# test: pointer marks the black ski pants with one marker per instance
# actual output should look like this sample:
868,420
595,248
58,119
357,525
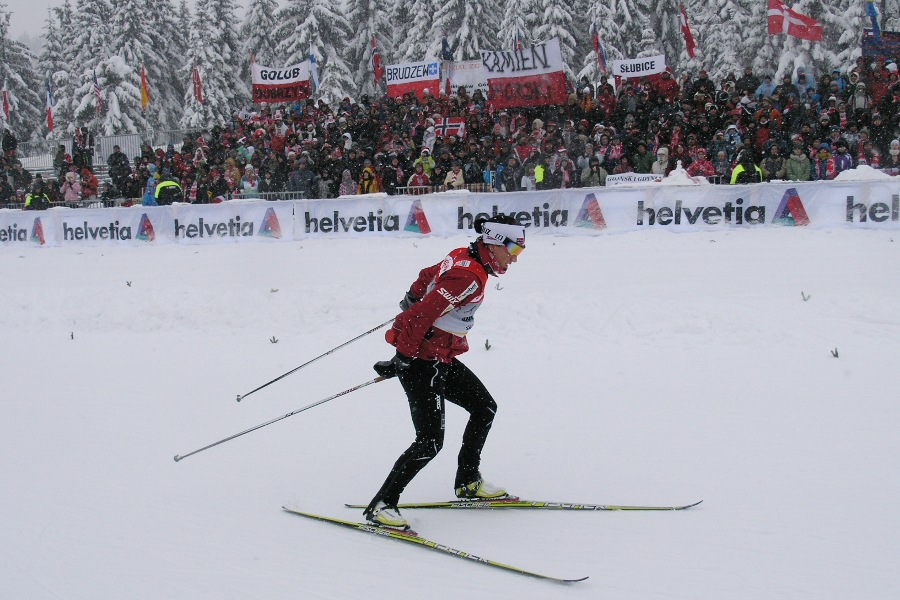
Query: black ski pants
428,384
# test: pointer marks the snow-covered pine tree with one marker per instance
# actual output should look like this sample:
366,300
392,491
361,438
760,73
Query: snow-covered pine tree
843,27
581,31
664,20
556,22
317,26
132,39
590,65
89,50
468,26
56,62
889,15
121,98
519,17
258,32
182,26
625,29
17,72
366,19
165,78
225,39
412,24
209,50
721,37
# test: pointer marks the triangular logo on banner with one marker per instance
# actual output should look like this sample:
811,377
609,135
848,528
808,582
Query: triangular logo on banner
145,231
37,232
590,214
270,226
416,220
791,210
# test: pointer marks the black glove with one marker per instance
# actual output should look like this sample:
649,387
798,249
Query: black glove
390,368
408,301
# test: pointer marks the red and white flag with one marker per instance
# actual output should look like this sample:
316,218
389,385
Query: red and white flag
784,20
49,106
5,101
686,31
198,84
377,69
532,76
413,77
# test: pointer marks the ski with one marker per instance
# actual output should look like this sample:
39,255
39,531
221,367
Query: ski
519,503
414,538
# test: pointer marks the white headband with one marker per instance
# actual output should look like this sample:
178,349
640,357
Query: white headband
497,233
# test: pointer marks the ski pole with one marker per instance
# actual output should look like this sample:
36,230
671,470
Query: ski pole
309,362
290,414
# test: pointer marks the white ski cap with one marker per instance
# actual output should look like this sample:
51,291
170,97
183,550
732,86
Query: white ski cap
497,233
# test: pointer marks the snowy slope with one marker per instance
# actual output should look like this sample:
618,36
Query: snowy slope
647,368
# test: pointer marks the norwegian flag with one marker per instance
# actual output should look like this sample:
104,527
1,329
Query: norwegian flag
686,31
98,93
784,20
598,48
49,106
377,69
450,126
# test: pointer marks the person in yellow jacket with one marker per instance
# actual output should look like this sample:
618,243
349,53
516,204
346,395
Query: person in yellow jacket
168,191
746,170
368,182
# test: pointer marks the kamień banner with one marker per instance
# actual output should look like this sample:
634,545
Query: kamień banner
593,211
530,76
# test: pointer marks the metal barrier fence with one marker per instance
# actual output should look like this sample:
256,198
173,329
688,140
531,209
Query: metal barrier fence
272,196
38,156
418,190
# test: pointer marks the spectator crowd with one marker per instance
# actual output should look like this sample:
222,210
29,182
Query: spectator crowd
742,129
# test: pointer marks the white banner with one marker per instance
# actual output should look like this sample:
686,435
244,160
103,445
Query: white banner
413,77
280,84
593,211
639,67
532,76
468,73
621,178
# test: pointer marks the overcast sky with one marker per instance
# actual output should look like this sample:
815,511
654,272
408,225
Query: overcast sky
29,16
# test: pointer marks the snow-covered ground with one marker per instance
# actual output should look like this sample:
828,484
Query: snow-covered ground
646,368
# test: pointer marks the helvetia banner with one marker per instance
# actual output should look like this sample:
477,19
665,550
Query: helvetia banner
581,211
532,76
284,84
413,77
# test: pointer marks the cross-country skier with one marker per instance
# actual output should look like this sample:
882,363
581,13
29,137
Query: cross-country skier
438,312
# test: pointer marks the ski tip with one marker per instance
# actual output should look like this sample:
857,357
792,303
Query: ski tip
575,580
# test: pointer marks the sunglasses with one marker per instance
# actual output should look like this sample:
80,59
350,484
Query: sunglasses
513,248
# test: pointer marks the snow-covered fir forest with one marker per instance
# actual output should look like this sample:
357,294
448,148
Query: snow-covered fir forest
115,38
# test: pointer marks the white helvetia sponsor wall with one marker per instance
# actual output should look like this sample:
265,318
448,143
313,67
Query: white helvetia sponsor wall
585,211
